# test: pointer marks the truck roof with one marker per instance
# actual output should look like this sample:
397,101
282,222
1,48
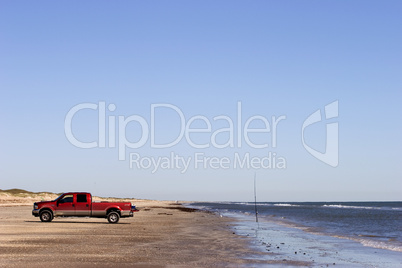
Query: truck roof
76,193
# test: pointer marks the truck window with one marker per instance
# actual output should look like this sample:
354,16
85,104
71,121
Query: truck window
67,199
81,198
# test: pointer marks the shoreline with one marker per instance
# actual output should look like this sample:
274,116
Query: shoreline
293,244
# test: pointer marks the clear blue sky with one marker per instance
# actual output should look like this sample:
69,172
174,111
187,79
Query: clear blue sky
278,58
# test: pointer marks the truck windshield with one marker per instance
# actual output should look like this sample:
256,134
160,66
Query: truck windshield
58,197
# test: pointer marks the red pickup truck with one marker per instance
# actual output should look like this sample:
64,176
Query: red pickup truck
81,205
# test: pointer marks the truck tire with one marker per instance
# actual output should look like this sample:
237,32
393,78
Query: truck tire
46,216
113,217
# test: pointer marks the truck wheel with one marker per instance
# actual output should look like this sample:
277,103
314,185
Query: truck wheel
113,217
46,216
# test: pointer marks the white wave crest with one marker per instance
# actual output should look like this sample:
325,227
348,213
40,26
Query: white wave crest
379,244
355,207
286,205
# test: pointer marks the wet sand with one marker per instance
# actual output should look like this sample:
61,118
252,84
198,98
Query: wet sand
162,234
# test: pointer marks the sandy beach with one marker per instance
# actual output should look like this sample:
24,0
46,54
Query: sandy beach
161,234
158,235
168,234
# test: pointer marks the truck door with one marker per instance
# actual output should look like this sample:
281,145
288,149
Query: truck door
65,206
83,205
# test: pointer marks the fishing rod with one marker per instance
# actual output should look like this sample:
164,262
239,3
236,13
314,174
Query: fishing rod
255,197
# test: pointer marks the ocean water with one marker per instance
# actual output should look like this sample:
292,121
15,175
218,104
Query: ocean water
361,234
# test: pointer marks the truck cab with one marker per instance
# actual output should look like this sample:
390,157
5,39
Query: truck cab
76,204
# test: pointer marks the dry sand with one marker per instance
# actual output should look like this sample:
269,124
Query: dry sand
162,234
